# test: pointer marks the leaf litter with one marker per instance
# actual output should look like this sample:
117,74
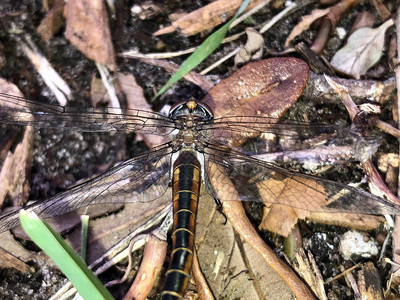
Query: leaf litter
157,14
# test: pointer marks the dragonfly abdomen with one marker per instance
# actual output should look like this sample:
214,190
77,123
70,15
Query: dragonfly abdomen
185,190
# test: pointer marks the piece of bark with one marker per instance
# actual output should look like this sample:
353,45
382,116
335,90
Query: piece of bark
369,282
7,260
15,170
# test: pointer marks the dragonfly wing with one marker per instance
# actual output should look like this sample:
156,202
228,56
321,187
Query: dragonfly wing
19,111
141,179
255,180
263,135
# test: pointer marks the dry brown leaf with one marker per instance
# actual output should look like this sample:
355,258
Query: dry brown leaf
8,260
11,245
88,30
228,263
281,218
236,215
308,202
264,88
382,10
363,50
364,19
206,17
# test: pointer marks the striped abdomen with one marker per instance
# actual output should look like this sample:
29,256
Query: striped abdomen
185,191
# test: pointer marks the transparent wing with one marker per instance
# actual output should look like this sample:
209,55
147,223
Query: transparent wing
262,135
256,180
20,111
243,127
141,179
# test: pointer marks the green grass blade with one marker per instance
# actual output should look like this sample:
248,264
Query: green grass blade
83,279
84,235
204,50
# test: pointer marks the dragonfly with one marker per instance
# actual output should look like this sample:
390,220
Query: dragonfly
200,149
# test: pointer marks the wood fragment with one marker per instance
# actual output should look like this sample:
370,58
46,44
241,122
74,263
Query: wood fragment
369,282
352,282
308,270
16,167
201,283
10,261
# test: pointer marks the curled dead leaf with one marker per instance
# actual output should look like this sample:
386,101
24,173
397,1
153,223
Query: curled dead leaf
305,23
253,48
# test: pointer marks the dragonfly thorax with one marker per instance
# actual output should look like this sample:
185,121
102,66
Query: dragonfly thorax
187,115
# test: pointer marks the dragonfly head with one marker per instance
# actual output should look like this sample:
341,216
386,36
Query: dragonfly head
199,111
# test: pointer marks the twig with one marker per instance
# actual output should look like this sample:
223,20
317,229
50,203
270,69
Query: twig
385,127
52,79
220,61
278,17
342,274
373,91
201,282
267,26
249,13
150,267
